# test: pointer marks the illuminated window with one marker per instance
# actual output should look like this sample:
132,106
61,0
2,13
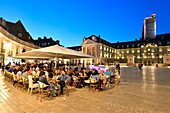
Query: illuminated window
151,53
160,49
100,47
153,50
145,50
160,56
138,51
122,57
138,57
153,56
132,51
100,54
127,45
168,49
127,51
104,48
107,49
149,49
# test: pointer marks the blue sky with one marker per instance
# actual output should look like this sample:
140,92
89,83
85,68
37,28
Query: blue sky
70,20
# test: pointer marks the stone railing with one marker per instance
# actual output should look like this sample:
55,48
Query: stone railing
12,37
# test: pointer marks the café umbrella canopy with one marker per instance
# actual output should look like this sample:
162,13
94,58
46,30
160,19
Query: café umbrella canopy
54,51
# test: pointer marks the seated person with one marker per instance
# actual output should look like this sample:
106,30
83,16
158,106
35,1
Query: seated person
89,73
63,80
107,73
102,79
10,69
83,76
43,79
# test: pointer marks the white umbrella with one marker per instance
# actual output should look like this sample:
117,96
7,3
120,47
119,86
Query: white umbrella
55,51
30,57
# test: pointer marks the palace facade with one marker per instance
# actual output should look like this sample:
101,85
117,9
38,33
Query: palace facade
14,39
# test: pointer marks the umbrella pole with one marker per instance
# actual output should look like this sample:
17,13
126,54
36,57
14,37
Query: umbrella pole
56,61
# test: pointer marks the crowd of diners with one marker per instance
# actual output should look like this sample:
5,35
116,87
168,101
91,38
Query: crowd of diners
62,76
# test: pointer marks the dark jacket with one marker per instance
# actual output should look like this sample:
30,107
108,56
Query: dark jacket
44,80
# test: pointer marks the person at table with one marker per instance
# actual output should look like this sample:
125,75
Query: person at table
11,68
95,72
63,79
107,73
43,79
83,76
89,73
102,79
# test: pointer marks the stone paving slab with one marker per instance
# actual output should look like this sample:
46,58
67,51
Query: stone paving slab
144,91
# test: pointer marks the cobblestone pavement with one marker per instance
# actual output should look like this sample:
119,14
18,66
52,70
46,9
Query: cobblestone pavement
145,91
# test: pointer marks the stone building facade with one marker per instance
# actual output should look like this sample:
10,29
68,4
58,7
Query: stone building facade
14,39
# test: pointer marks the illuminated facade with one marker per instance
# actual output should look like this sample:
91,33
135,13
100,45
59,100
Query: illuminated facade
14,39
148,52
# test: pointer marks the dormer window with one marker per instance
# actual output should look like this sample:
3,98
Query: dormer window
132,45
20,35
94,38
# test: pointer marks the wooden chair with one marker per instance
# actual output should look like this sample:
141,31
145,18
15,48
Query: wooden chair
15,80
25,83
93,84
75,80
19,82
43,92
31,86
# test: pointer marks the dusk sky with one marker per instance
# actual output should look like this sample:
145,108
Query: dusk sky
70,20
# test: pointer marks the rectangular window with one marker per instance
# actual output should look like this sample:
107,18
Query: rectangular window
133,51
160,56
101,47
160,49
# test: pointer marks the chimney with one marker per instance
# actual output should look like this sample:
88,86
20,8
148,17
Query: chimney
99,36
58,42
